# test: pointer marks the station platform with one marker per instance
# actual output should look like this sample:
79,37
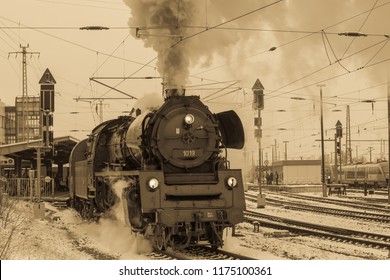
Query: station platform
58,196
287,188
294,188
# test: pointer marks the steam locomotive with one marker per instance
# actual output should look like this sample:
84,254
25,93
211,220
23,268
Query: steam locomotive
180,189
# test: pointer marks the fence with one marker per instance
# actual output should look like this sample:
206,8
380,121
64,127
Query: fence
27,188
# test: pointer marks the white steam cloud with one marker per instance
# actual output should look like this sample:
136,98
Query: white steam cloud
114,235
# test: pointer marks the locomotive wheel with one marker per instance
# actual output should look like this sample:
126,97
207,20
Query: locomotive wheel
160,238
85,211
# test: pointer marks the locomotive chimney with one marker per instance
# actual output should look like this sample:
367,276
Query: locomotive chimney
174,92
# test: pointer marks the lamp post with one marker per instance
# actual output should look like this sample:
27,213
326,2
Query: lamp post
322,147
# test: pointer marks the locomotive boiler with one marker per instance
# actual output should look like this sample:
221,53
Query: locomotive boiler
180,189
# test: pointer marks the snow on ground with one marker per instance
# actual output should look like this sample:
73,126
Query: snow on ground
63,235
330,220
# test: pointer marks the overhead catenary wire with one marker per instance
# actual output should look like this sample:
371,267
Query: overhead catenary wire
308,34
77,44
382,47
85,5
226,22
107,58
312,33
212,94
360,28
328,34
337,76
327,79
334,53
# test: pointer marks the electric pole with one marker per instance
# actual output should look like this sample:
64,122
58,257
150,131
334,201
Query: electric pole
388,137
348,144
370,151
285,149
322,146
24,52
338,136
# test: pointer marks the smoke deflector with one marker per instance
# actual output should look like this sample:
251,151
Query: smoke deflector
231,129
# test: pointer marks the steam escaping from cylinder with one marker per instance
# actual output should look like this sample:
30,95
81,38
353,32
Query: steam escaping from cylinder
112,233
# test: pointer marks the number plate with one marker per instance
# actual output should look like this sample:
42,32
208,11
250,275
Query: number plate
187,154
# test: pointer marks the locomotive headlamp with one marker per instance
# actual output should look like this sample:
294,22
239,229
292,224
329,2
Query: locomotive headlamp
189,119
231,182
153,184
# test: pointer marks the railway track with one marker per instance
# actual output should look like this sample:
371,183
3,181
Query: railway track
205,252
196,253
191,253
302,206
323,231
382,191
353,204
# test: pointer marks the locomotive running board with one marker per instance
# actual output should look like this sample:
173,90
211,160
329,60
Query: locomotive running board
116,173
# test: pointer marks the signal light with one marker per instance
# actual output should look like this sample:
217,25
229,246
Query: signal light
338,148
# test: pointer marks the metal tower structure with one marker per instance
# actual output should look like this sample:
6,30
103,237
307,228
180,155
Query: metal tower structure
25,114
348,147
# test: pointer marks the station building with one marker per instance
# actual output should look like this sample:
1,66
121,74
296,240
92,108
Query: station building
298,172
26,129
20,122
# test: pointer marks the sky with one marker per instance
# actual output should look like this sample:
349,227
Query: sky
215,49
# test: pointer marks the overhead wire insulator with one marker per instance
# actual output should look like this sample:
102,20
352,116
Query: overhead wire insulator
352,34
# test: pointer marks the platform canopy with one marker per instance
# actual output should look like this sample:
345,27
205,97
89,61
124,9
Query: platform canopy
27,150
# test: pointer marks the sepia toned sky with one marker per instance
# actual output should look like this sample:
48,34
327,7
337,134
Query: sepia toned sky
216,49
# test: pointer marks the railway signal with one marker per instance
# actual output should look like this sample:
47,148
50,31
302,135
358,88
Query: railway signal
258,104
47,83
339,130
337,139
338,147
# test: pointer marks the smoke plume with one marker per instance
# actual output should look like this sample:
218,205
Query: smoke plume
169,27
182,34
158,24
